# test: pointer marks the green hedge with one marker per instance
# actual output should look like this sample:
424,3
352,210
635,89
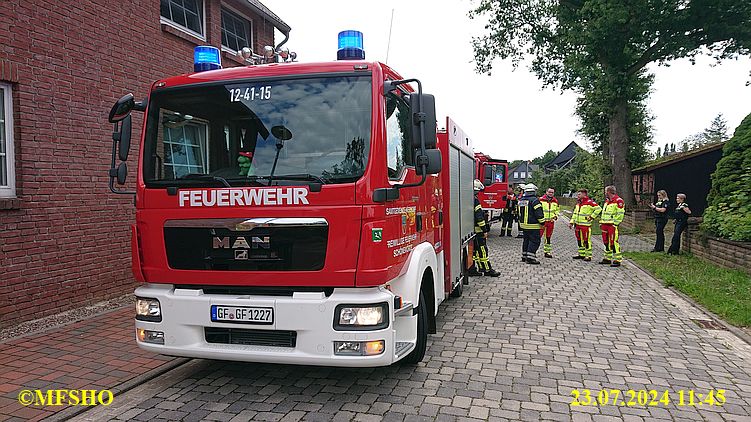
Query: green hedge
729,213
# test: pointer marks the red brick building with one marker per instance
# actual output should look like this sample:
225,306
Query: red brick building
64,239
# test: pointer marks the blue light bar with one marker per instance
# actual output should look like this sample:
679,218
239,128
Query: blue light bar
350,46
206,57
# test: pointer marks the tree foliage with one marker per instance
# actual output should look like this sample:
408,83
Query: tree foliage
587,171
599,49
545,158
729,211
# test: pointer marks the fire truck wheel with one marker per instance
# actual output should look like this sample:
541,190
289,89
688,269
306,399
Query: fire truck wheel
422,333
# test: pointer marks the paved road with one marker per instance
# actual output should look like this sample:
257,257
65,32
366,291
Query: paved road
512,348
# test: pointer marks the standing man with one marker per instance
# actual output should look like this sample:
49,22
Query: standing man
530,220
585,211
550,210
612,215
509,212
481,264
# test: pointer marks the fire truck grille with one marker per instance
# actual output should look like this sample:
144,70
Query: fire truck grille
274,338
259,249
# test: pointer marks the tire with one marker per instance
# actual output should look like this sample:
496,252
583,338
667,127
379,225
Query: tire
459,289
416,355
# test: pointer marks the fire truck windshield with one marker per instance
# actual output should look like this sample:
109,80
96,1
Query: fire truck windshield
237,132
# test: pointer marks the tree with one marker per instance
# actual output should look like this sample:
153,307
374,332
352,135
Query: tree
717,130
545,158
729,211
600,48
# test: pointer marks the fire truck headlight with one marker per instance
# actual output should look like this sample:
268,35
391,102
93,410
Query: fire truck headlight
148,309
361,317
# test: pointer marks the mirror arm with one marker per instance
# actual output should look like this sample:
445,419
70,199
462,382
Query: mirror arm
141,105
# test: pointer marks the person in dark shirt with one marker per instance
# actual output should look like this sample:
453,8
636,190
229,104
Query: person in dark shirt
682,211
661,219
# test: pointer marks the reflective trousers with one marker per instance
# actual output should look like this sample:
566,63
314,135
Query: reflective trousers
531,243
507,224
610,240
546,231
480,256
584,240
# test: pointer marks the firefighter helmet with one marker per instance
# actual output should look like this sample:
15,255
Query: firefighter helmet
478,185
530,187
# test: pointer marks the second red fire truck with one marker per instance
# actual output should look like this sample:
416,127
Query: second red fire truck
294,213
493,174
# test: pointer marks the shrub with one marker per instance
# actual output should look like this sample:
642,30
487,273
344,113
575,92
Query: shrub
729,211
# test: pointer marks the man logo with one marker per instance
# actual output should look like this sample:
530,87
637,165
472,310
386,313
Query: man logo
256,242
241,254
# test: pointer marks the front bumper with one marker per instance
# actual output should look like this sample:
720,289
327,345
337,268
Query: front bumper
186,315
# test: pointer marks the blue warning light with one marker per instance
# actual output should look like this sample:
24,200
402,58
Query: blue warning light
206,57
350,46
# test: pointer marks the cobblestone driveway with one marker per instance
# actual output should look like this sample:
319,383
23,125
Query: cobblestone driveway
512,348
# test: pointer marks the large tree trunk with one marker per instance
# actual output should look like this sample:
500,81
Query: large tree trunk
618,151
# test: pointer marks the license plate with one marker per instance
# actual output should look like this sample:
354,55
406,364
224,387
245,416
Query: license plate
242,314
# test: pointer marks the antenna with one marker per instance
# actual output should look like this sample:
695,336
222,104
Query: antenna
388,46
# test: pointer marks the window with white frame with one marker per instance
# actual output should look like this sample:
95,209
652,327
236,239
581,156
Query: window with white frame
7,168
523,175
516,175
235,31
185,149
186,14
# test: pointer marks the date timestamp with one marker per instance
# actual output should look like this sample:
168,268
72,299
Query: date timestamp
647,398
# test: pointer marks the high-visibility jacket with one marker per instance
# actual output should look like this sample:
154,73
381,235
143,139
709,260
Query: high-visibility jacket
549,207
585,211
481,226
613,211
530,212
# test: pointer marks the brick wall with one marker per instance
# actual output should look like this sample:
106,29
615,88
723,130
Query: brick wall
65,240
723,252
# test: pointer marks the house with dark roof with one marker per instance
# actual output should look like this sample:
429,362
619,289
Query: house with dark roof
522,173
687,172
564,159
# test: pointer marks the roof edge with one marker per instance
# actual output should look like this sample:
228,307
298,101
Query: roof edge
680,157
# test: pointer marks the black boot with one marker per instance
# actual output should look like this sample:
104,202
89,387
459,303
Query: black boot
605,261
533,261
492,273
473,272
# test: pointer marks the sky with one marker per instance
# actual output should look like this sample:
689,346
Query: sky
507,114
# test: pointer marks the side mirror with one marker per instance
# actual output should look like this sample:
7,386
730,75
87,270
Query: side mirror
124,139
122,108
433,161
425,114
122,173
488,177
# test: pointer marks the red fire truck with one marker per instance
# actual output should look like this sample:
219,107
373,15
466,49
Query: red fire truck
493,174
294,213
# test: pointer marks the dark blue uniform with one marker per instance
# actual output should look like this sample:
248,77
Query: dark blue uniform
531,218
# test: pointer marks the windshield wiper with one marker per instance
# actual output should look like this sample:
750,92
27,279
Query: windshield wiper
302,176
207,177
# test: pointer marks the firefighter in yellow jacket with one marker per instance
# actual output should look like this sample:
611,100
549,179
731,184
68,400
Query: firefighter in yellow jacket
612,215
481,265
585,211
550,210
